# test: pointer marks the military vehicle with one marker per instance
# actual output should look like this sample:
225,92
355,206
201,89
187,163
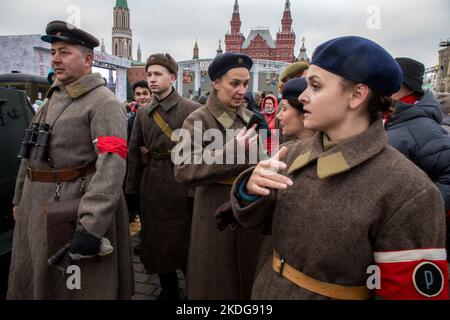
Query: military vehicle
35,87
16,113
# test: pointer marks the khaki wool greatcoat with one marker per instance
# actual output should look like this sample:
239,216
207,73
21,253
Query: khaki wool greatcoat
92,112
165,210
221,265
349,200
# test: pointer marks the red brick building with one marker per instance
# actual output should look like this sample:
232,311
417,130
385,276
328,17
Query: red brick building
137,72
259,44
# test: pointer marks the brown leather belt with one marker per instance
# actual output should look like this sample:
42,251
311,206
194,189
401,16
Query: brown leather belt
60,175
144,154
161,155
227,181
323,288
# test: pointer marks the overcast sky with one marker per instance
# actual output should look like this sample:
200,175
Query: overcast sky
404,28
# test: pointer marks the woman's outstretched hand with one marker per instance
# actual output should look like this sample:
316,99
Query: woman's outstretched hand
266,176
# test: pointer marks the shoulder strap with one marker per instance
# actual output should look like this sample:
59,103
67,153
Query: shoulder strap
164,126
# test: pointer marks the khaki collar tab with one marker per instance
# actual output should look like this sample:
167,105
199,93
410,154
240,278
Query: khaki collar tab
301,161
331,165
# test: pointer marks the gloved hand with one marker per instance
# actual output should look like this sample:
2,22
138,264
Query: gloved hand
84,245
61,260
224,217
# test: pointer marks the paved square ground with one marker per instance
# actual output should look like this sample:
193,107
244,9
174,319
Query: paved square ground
147,285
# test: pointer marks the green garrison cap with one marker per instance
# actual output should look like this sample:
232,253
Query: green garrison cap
64,31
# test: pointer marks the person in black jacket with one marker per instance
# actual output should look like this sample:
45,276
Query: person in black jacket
142,97
249,103
414,128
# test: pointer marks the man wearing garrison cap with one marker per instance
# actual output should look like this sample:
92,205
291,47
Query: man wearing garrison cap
165,205
79,166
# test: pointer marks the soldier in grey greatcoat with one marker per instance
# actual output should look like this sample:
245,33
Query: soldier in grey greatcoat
165,205
86,161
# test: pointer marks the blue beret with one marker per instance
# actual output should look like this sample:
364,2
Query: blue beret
362,61
294,88
227,61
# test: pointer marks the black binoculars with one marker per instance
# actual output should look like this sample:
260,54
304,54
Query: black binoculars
37,135
29,140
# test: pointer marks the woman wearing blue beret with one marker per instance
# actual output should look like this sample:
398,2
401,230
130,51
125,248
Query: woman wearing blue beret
351,217
222,262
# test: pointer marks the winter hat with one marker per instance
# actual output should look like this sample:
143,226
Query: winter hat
413,73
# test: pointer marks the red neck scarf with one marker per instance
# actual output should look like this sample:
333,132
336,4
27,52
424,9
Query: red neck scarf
411,99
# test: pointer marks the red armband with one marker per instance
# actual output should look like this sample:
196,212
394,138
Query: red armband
413,274
112,145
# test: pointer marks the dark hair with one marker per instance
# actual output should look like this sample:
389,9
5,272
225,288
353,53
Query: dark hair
376,103
84,50
296,104
141,84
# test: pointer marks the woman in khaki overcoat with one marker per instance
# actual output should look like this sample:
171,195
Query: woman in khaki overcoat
221,264
350,216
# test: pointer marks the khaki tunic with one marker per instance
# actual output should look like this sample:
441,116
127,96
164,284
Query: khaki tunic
92,112
165,210
347,201
221,264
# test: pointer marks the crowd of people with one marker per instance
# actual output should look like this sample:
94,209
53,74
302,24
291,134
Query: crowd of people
352,171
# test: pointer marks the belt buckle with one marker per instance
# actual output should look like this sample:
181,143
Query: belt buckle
283,262
29,173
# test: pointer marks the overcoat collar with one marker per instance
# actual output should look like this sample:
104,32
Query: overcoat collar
342,156
168,103
79,87
223,114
